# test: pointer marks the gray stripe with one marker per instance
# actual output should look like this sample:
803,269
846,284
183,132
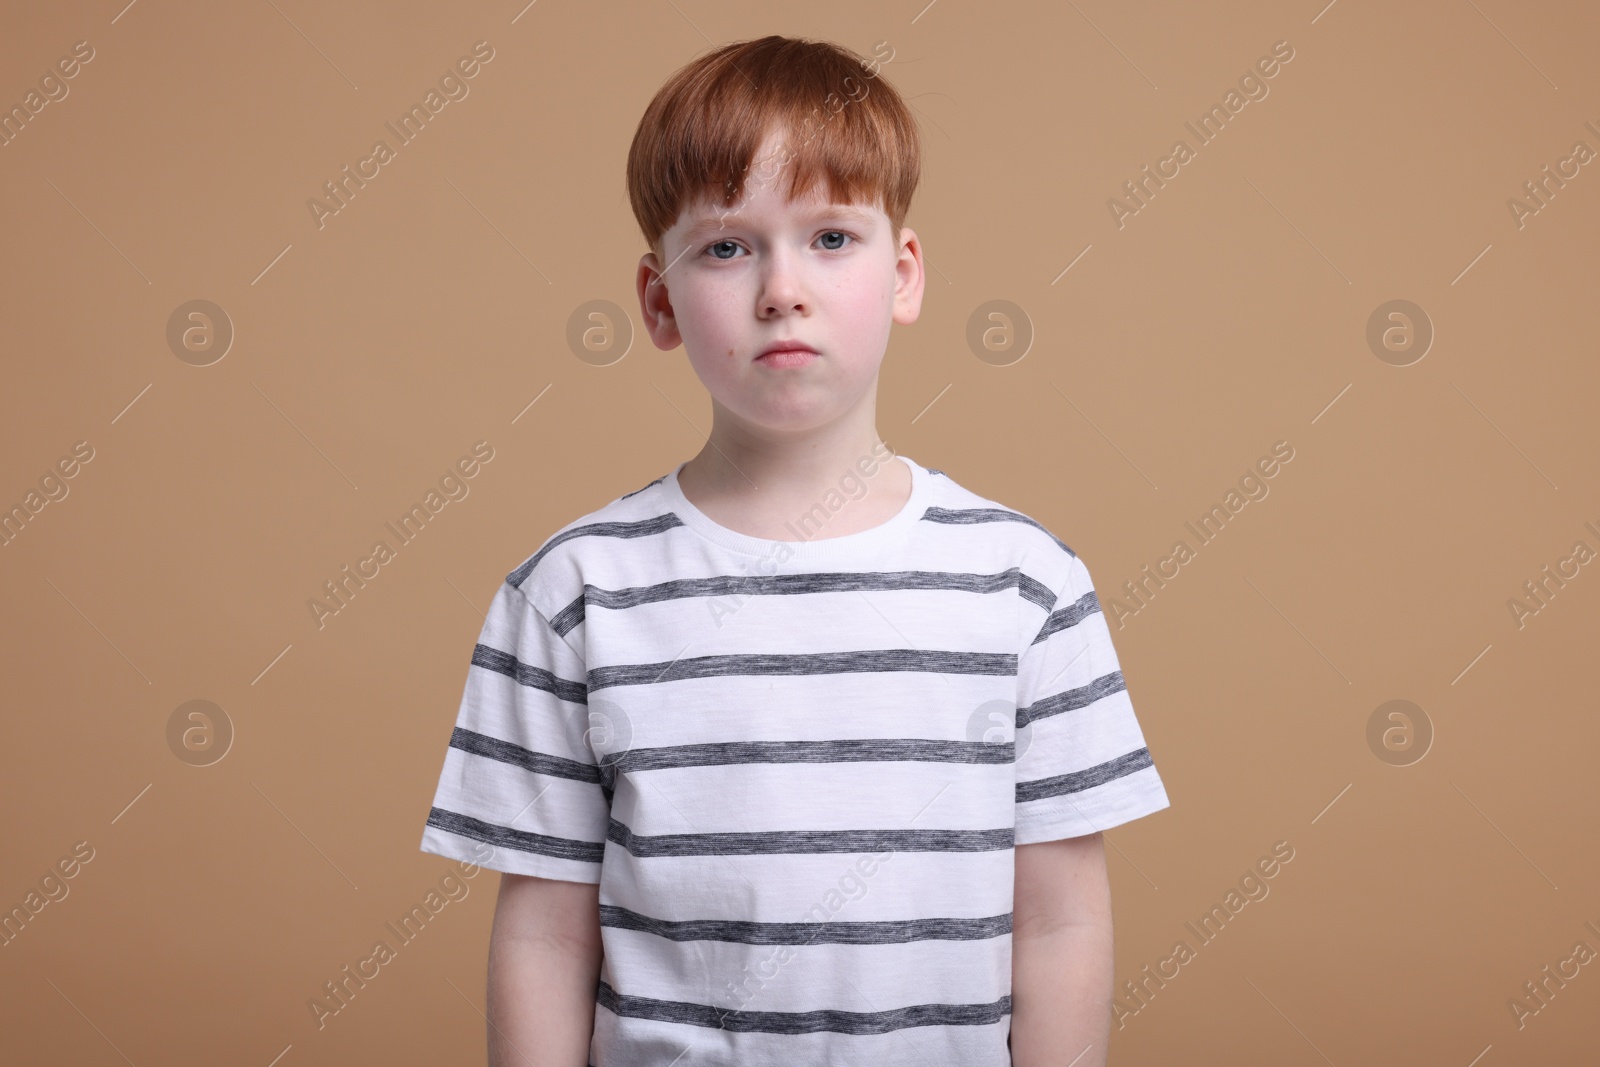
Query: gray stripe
974,515
640,528
806,842
849,750
669,520
711,754
794,664
1071,699
565,848
1078,781
642,488
517,756
569,617
526,674
889,932
801,1022
1069,616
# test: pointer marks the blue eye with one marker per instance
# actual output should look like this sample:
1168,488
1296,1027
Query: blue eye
732,247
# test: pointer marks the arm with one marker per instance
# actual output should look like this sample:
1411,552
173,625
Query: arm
544,965
1061,962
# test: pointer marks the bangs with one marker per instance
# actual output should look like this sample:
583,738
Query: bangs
842,128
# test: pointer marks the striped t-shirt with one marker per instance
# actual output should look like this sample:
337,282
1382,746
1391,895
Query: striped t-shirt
797,769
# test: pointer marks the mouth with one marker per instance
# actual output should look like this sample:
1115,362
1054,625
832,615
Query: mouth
787,354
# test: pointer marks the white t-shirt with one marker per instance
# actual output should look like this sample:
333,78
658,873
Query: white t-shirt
797,769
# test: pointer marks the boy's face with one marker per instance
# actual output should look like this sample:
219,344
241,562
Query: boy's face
764,270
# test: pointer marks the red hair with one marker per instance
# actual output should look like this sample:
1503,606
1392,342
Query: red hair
841,122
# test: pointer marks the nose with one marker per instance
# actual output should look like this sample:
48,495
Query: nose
782,289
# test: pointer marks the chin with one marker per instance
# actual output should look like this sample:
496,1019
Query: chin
786,418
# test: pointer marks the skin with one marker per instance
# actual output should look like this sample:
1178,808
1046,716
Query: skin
725,285
1062,954
735,280
545,954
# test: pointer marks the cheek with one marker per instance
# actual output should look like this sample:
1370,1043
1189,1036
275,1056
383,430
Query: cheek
862,300
869,292
867,309
705,315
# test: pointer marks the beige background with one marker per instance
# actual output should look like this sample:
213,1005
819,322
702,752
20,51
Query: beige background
431,312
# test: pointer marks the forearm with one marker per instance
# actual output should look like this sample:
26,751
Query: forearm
1061,994
541,1002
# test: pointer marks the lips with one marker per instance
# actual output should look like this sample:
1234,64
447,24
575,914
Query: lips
787,347
780,358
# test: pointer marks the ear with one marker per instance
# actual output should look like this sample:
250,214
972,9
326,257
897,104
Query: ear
909,278
655,304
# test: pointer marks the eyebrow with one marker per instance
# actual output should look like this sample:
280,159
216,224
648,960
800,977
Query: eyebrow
714,223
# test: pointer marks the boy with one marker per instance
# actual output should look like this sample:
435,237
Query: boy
799,754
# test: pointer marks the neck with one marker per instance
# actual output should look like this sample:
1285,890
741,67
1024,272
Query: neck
760,482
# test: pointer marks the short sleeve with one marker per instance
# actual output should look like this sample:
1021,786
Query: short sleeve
1082,764
521,791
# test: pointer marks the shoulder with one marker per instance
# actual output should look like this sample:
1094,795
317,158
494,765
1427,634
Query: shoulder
1045,561
552,576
